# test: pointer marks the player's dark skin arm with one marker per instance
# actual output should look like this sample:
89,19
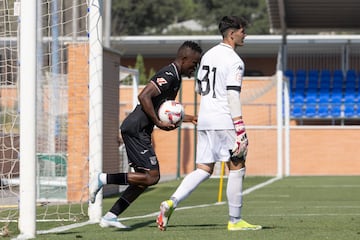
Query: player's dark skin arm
148,178
145,100
190,118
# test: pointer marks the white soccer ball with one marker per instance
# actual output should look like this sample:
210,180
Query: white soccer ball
171,111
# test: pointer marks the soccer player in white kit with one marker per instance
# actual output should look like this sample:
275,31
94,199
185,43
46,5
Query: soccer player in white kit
221,129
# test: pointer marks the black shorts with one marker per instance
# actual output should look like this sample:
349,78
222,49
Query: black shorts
140,152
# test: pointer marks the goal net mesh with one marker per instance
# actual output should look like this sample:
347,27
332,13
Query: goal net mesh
63,23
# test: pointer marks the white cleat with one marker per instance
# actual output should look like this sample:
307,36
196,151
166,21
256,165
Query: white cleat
113,222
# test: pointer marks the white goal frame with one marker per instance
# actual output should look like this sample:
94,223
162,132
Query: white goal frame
30,54
28,75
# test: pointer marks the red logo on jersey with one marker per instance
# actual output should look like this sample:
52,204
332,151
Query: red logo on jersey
161,81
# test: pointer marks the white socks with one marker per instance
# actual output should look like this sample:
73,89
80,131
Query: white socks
234,193
188,184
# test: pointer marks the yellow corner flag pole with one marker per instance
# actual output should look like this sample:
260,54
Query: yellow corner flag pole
221,181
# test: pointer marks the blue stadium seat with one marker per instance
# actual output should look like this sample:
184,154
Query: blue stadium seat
351,75
324,95
300,73
314,73
350,85
357,111
351,81
313,79
297,111
338,78
325,72
298,96
336,96
325,85
338,73
290,74
310,110
335,110
311,96
323,110
300,81
350,96
349,110
325,79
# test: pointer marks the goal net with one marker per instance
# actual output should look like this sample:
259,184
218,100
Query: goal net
59,180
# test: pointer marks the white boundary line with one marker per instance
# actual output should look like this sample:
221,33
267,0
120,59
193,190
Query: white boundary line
307,215
261,185
76,225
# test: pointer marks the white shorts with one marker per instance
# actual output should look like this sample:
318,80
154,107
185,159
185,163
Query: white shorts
214,145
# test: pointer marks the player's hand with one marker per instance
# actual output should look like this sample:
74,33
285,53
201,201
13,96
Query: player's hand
190,118
241,144
165,126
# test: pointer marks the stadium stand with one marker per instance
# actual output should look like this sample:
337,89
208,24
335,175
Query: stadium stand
324,94
323,110
349,110
310,110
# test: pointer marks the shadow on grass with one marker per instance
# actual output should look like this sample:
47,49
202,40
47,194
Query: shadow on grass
211,226
138,225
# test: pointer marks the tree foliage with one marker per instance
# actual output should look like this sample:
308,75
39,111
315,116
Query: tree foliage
254,11
143,77
139,17
144,17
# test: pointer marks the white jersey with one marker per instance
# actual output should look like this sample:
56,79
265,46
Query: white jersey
220,68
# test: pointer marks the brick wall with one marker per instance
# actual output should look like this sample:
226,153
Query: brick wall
78,113
78,133
314,150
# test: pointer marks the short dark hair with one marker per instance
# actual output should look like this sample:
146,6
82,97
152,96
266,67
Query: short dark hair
192,45
232,22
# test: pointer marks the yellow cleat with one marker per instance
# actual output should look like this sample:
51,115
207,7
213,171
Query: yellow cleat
242,225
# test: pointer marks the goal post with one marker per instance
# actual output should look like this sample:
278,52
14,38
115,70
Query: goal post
43,55
28,75
95,101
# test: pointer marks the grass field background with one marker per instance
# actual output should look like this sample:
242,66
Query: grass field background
290,208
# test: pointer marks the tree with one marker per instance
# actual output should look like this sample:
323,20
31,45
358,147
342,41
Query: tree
254,11
144,17
139,17
140,66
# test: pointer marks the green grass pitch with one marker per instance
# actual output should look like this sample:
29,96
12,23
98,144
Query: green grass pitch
292,208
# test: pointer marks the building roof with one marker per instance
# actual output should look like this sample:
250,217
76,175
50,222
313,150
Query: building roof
317,17
255,45
314,15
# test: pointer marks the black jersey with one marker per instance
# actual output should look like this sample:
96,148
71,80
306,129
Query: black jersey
168,82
